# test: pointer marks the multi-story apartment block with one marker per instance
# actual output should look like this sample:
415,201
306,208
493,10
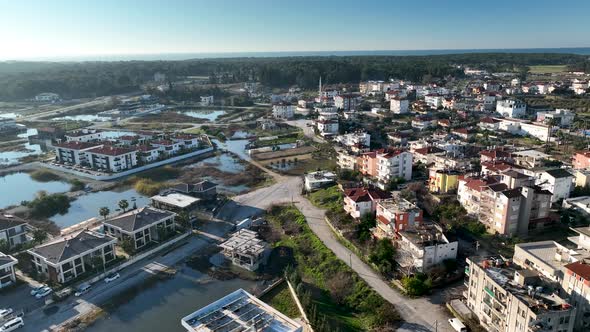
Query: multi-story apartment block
74,152
112,159
424,247
442,181
13,230
558,181
66,258
395,215
361,201
346,160
511,108
283,111
506,298
576,284
347,102
581,160
7,274
393,164
399,105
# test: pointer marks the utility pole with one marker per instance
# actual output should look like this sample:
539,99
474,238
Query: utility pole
350,259
476,246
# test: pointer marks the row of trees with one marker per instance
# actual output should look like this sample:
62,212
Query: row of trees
21,80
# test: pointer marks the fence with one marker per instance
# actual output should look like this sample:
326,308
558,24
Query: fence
114,176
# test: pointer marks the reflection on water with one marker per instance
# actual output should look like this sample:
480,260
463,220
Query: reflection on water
235,146
161,307
8,115
87,206
12,157
223,162
210,115
84,117
18,187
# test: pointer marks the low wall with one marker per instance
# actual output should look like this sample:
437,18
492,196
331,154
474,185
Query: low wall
128,172
138,257
299,305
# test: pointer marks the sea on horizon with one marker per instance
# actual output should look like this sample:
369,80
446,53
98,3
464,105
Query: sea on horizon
187,56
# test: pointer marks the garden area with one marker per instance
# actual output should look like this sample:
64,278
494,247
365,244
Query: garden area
335,298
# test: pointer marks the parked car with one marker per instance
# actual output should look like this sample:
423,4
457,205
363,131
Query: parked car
112,277
12,325
83,289
36,290
44,292
5,313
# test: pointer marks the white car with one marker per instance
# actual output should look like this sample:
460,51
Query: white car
12,325
112,277
44,292
36,290
83,289
5,313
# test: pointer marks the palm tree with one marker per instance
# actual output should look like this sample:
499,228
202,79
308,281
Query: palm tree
123,204
104,212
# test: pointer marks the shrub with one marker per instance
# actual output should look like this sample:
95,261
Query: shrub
45,206
147,187
45,176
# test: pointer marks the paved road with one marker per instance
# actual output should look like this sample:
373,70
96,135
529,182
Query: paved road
307,130
421,314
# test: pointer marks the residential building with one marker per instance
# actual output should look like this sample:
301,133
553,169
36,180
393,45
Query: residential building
579,86
443,181
207,100
85,135
142,226
525,128
581,160
427,155
399,105
347,102
557,181
239,311
328,127
559,117
346,160
529,158
357,139
393,164
463,133
111,159
319,179
367,163
576,284
469,193
74,152
511,108
13,230
489,123
506,298
168,148
148,153
66,258
434,100
283,111
582,177
7,274
361,201
548,258
47,97
423,123
245,249
580,204
175,202
395,215
425,246
205,190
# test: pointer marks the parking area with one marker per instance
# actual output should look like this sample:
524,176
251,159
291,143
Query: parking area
20,299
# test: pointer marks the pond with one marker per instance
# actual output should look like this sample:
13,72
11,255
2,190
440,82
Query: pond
161,307
8,115
84,117
210,115
18,187
87,206
224,162
236,146
12,157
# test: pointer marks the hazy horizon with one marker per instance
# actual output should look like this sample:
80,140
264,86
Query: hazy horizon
37,29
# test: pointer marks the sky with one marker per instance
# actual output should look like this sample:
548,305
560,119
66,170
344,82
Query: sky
53,28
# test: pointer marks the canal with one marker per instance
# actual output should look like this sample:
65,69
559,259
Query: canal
160,307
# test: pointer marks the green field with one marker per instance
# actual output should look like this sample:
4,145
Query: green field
548,69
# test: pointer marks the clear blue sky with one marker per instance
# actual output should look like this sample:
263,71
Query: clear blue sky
43,28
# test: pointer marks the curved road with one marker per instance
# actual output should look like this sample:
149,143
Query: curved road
419,314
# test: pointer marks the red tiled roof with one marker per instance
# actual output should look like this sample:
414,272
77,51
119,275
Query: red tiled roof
495,154
580,269
365,195
111,151
429,150
499,166
163,142
489,120
479,184
382,220
145,148
76,145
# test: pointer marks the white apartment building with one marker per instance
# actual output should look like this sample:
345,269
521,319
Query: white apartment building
47,97
347,102
424,247
525,128
84,135
399,105
511,108
74,152
557,181
394,164
283,111
7,274
112,159
207,100
328,127
562,117
346,160
352,139
434,100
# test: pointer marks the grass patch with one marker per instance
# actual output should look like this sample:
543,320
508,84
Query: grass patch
334,296
280,298
547,69
327,198
148,187
42,175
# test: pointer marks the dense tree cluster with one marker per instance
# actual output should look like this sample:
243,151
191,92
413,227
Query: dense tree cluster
22,80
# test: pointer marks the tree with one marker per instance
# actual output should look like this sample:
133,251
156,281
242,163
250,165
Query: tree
383,256
96,262
417,285
127,245
183,220
104,212
123,204
340,286
39,236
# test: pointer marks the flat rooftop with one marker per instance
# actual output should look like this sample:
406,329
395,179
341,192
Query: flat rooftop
236,312
176,199
245,242
399,205
545,251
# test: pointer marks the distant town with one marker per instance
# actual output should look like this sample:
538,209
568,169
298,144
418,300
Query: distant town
244,200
